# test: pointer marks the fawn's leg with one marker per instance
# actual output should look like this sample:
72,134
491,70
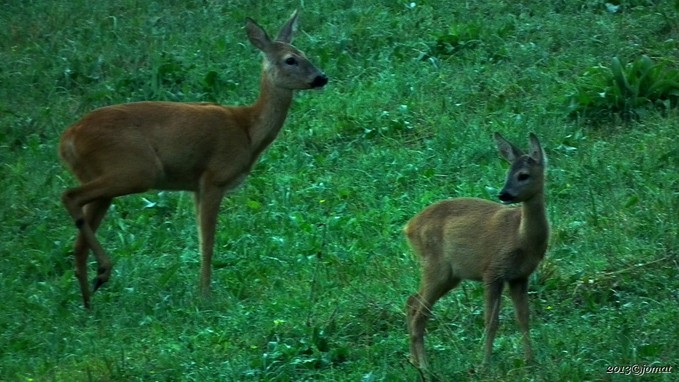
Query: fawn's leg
436,282
492,294
518,290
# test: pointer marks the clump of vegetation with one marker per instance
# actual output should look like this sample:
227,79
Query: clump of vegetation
458,37
627,91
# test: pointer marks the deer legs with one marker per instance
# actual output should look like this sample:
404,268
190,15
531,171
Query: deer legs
207,201
436,283
94,213
518,290
87,205
492,294
419,308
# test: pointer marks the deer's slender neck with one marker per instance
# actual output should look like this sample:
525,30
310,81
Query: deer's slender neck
534,225
268,113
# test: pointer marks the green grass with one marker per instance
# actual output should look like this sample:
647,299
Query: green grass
311,269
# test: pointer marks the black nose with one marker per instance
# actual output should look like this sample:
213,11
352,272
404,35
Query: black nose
506,196
319,81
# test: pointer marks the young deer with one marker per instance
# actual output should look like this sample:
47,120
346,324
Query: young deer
201,147
475,239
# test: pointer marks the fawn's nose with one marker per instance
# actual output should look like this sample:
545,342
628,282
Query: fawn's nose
319,81
506,196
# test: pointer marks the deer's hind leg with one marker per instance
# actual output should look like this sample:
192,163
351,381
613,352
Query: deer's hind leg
87,205
94,214
436,282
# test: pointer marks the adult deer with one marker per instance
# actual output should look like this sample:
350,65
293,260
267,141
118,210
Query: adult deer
200,147
475,239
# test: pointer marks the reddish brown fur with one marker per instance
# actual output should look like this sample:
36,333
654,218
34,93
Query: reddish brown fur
475,239
201,147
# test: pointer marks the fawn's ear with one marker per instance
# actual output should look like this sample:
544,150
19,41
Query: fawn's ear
536,149
508,151
285,35
257,35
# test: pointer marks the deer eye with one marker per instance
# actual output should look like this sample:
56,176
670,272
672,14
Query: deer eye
523,176
291,61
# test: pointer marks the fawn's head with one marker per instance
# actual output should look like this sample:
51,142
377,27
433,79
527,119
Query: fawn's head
526,176
286,66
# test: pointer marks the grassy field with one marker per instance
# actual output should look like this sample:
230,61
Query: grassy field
311,269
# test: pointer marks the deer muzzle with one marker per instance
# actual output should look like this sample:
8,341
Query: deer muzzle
319,81
506,197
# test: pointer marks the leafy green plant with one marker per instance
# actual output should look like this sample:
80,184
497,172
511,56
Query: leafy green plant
625,90
455,39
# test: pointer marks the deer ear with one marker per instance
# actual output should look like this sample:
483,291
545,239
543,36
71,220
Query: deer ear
257,35
285,35
536,151
508,151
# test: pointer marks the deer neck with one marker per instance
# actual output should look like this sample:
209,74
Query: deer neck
534,225
268,114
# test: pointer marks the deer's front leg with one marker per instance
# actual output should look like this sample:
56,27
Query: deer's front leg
208,199
493,294
518,290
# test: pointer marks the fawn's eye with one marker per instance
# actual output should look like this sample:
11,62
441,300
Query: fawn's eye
291,61
523,176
